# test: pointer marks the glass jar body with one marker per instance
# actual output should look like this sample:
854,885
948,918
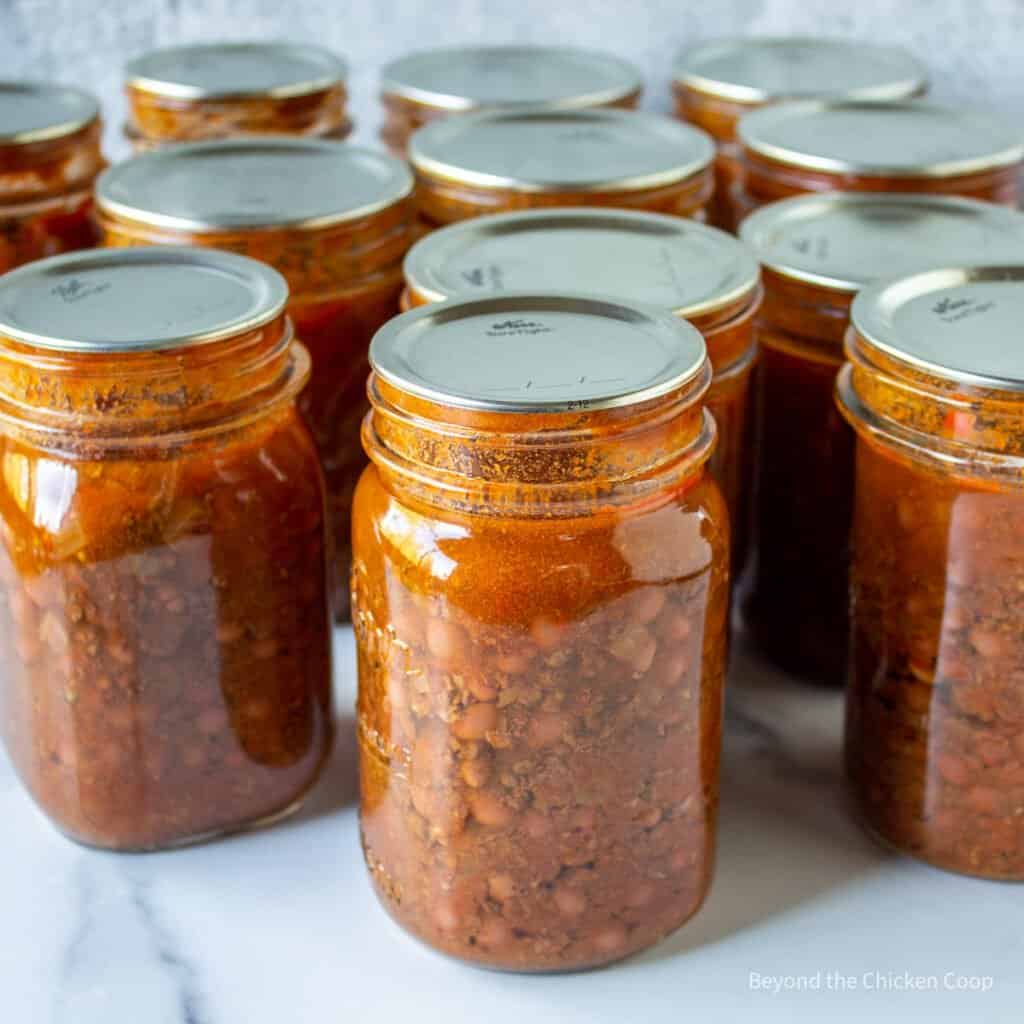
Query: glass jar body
763,181
935,706
345,283
732,351
443,201
155,119
799,567
539,715
46,197
163,618
718,117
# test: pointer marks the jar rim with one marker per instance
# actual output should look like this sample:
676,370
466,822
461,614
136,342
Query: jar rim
323,70
140,189
736,274
790,134
600,354
695,68
918,321
679,151
101,300
409,77
53,111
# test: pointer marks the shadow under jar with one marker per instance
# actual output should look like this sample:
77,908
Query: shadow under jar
226,90
540,592
334,219
935,706
716,83
433,84
49,156
918,147
816,253
504,161
164,634
697,273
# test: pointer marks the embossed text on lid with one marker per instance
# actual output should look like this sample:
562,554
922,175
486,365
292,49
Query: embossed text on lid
37,111
910,139
581,150
477,77
249,183
762,69
962,323
212,70
669,262
537,353
845,240
124,300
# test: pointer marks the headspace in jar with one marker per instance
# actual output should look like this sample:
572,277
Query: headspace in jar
164,636
433,84
49,156
816,253
717,82
935,707
334,219
876,147
695,272
504,161
540,588
223,90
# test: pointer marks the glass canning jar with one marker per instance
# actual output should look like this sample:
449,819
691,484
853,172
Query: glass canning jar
225,90
817,252
164,638
432,84
935,705
697,273
717,82
334,219
792,148
504,161
540,592
49,155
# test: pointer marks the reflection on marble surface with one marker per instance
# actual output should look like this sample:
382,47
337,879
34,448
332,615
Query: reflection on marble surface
281,926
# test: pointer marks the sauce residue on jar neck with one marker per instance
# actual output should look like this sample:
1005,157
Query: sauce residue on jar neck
524,455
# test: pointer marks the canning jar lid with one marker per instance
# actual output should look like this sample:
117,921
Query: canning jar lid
537,353
135,300
769,68
844,240
894,140
41,111
561,151
958,323
668,262
475,77
236,70
252,183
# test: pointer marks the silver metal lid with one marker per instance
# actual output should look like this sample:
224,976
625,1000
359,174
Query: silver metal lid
894,140
133,300
224,70
39,111
845,240
555,151
253,183
768,68
668,262
537,353
960,323
485,77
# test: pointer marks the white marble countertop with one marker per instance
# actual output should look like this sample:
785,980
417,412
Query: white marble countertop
280,926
